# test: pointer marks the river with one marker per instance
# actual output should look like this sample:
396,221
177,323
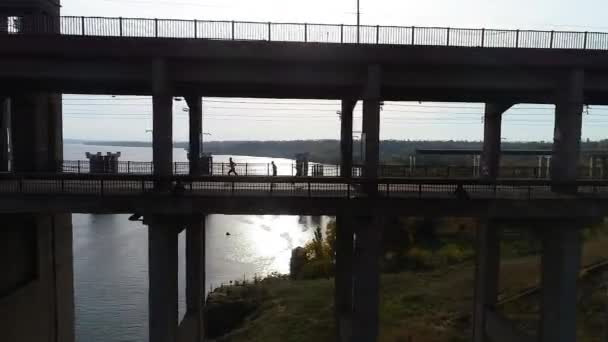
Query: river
111,255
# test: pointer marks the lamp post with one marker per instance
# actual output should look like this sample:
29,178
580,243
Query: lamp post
358,21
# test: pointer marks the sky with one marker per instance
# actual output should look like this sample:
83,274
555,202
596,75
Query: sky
129,118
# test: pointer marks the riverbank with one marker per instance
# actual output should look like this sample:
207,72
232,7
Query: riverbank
430,306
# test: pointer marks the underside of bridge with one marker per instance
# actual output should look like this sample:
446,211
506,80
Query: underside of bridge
36,295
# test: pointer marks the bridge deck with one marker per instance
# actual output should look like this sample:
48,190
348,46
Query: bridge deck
288,195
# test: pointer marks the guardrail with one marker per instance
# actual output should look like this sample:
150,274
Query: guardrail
330,187
305,32
322,170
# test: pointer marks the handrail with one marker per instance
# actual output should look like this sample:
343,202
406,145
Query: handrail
307,32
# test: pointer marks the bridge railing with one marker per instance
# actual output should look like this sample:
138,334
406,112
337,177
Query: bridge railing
304,32
331,187
321,170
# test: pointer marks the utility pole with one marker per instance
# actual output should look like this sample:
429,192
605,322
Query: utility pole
358,21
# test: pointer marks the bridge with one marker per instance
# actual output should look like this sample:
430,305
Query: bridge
44,55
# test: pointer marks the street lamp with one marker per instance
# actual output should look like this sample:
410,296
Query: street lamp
358,21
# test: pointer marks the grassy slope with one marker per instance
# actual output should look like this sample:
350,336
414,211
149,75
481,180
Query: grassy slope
428,306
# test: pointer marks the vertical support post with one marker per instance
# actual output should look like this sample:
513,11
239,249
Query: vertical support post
346,138
447,42
343,295
195,276
377,34
156,27
585,40
162,124
371,121
366,290
413,35
567,133
483,37
162,273
551,39
269,31
305,32
517,38
487,270
5,124
233,30
561,261
120,25
82,26
195,116
341,33
195,28
492,124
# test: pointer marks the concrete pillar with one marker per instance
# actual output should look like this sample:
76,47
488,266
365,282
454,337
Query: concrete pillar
196,133
487,272
162,122
492,124
5,127
3,23
561,260
366,289
371,122
343,296
162,273
195,278
346,138
567,134
37,139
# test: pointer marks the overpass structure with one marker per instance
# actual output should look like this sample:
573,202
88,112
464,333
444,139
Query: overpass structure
43,56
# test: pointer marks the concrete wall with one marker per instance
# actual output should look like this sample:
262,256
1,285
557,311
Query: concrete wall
36,287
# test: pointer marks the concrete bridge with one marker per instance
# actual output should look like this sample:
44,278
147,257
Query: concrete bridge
44,55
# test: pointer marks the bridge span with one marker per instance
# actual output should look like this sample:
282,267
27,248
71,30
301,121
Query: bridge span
42,58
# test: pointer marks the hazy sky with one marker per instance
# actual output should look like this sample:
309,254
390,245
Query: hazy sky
128,118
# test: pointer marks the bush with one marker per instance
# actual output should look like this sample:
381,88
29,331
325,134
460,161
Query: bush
319,268
420,258
453,254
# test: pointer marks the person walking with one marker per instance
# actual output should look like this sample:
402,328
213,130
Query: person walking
274,168
232,166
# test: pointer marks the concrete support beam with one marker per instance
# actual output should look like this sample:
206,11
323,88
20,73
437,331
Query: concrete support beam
568,125
343,296
162,122
37,138
492,124
486,277
5,127
346,138
195,277
366,289
162,269
371,121
561,261
195,116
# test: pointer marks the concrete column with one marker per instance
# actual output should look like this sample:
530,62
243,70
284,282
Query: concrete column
196,133
487,272
195,278
3,23
371,122
567,134
561,260
492,124
162,122
366,289
5,127
346,138
343,296
162,273
37,138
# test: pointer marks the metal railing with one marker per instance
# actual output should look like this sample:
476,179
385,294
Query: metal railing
137,185
304,32
323,170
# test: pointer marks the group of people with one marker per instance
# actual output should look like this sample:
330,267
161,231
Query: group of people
232,169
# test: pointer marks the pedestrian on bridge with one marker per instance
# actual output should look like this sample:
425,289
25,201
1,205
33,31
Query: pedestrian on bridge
232,166
274,168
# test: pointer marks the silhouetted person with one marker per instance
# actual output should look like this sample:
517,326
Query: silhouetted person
461,193
232,166
274,168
